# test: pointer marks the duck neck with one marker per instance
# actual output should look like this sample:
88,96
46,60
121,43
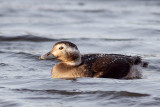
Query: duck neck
75,62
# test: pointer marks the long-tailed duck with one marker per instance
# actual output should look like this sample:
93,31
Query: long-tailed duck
75,65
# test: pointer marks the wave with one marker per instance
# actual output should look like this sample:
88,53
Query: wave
3,64
4,103
23,54
28,55
77,10
26,38
33,38
115,94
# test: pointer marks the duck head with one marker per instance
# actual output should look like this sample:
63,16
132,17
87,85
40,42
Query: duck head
64,51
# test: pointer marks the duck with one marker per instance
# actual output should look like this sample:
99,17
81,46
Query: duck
73,64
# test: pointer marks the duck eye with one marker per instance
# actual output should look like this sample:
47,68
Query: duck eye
60,48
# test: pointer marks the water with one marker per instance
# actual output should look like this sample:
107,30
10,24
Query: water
29,28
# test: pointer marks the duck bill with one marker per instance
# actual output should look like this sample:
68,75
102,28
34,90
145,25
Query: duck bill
47,56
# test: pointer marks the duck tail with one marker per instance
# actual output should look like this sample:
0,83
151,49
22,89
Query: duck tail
144,64
138,61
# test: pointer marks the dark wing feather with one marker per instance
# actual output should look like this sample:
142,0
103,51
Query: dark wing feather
109,65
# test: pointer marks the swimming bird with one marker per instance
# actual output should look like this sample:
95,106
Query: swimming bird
75,65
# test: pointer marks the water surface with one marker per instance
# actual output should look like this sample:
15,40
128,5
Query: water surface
29,29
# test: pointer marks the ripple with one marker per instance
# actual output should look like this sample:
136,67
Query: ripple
128,94
32,38
37,98
116,94
3,64
8,104
26,38
2,87
15,53
28,55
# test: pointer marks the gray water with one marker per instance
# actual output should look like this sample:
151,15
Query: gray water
29,28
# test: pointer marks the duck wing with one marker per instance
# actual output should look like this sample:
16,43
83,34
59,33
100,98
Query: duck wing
111,65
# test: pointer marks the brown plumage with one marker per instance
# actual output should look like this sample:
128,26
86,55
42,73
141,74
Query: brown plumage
75,65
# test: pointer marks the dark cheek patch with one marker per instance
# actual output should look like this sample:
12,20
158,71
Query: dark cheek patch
72,56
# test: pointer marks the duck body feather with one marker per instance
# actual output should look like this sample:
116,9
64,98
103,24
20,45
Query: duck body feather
97,66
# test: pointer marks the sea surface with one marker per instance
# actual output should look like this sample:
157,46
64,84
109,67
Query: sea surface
29,28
